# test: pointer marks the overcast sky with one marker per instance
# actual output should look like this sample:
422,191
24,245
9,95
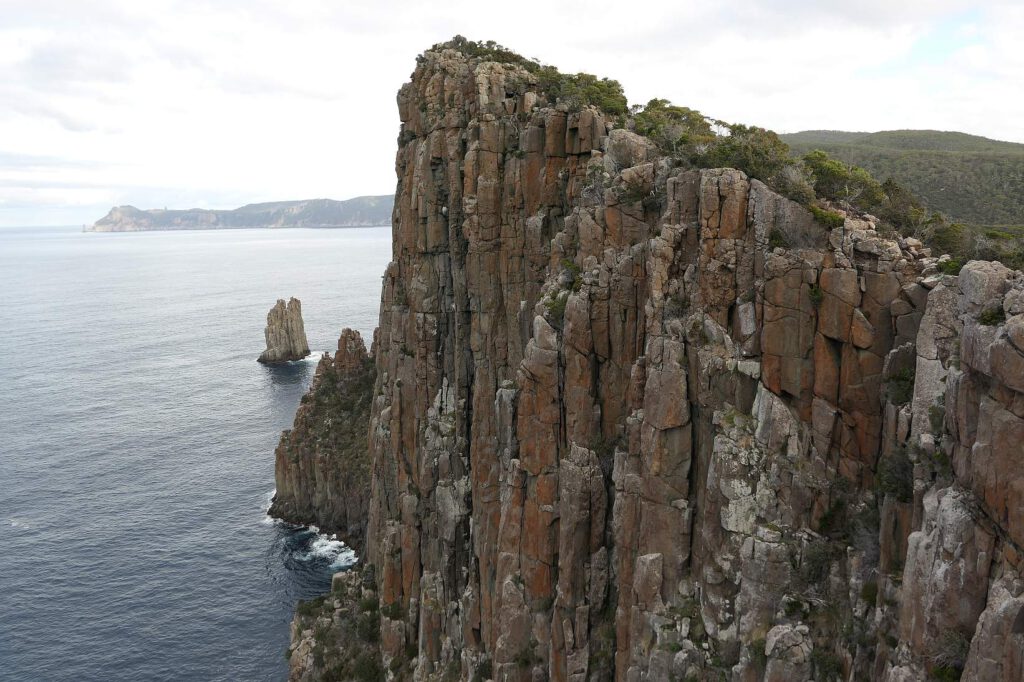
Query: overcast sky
190,104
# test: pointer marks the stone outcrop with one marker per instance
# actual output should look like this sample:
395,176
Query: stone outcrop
322,465
286,337
619,432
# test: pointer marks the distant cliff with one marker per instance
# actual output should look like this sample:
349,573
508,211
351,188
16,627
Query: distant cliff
357,212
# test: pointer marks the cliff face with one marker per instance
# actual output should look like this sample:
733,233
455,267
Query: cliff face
619,432
285,333
322,465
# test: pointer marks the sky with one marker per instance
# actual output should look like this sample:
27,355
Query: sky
157,103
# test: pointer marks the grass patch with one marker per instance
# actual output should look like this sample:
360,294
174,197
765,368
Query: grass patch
990,317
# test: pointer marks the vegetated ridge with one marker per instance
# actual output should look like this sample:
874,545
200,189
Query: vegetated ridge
357,212
971,179
652,399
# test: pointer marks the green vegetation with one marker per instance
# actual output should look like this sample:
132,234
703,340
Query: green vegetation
970,178
990,317
896,476
949,655
837,181
575,90
829,219
816,294
901,386
555,304
484,671
311,608
869,592
579,90
673,128
827,666
951,267
977,182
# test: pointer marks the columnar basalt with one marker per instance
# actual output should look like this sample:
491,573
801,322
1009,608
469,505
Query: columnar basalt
285,334
619,431
322,465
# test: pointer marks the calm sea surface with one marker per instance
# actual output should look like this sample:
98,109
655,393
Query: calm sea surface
136,446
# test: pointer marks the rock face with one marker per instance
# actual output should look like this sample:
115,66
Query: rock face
617,434
322,463
286,337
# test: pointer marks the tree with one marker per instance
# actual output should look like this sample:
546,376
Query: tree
837,181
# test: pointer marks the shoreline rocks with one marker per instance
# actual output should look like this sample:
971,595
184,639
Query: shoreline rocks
285,334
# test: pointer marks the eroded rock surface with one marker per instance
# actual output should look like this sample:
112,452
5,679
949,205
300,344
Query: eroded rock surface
285,334
322,465
618,432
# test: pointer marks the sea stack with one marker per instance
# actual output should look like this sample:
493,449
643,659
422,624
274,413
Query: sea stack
286,337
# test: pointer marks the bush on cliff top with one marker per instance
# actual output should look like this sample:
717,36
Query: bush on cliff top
575,90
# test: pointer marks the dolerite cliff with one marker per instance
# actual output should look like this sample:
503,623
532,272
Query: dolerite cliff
322,466
617,434
285,333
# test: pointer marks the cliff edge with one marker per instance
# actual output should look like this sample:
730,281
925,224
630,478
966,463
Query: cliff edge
635,420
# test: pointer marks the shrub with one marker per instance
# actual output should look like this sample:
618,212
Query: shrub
815,563
484,671
829,219
777,239
948,238
896,476
367,668
949,655
901,386
677,130
827,666
839,181
951,267
757,654
579,90
869,592
990,317
556,306
393,611
816,295
756,151
368,626
311,608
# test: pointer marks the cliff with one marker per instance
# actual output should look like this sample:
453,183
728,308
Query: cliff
285,334
638,421
357,212
322,465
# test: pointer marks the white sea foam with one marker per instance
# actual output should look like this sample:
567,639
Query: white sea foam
269,520
328,548
19,523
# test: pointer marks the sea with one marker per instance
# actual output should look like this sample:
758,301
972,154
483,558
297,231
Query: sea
137,436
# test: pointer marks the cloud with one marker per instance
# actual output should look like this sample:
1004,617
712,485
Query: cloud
185,103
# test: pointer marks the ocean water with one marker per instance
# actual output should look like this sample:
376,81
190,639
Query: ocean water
136,446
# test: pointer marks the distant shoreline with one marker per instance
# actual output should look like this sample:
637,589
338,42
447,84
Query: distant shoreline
216,228
366,211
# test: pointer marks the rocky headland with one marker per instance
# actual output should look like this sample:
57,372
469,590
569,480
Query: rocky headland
357,212
634,420
285,334
325,452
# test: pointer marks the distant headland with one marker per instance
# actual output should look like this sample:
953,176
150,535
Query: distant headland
358,212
